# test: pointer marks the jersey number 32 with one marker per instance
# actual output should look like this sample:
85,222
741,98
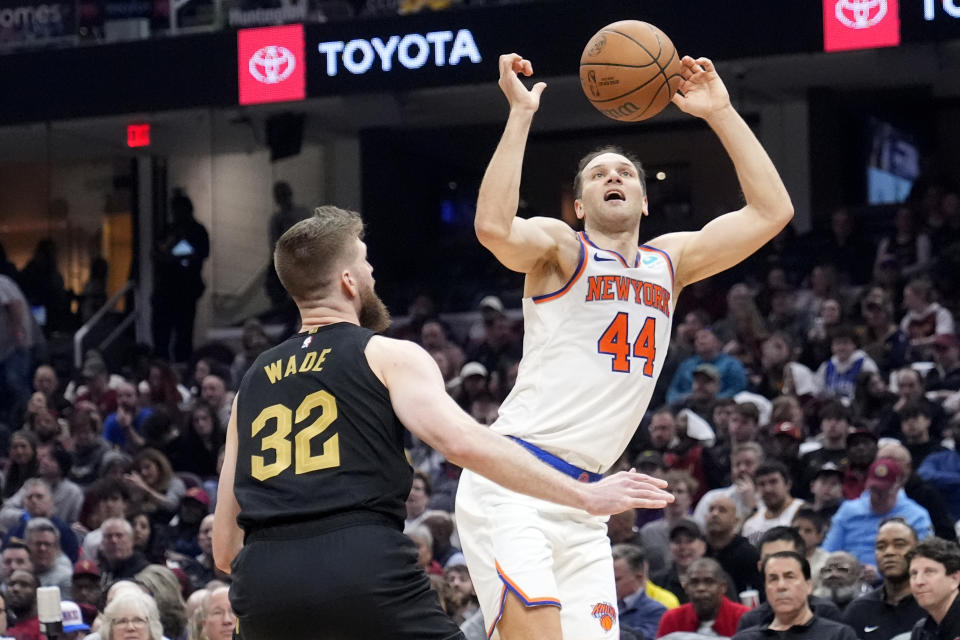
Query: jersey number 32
301,447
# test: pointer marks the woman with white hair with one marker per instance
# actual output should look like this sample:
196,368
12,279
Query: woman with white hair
132,615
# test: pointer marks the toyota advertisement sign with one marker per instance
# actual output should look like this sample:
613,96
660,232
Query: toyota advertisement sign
271,66
860,24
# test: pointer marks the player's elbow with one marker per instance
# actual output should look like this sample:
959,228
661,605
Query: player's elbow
489,232
221,556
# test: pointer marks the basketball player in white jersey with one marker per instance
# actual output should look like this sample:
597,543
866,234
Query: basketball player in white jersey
597,310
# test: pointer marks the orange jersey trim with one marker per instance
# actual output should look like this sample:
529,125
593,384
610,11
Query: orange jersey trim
646,247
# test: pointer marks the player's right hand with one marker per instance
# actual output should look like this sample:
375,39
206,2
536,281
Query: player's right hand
519,97
626,490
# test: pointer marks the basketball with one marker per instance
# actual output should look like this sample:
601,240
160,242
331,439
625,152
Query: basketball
630,70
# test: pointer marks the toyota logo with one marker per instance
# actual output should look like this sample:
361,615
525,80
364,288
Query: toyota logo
272,64
860,14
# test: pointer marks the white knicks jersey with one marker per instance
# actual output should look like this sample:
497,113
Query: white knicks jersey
592,353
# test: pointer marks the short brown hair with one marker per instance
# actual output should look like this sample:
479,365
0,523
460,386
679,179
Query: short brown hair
585,160
306,253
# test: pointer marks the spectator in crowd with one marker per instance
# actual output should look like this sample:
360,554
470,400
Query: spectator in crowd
21,598
17,337
110,500
708,608
216,615
458,579
855,524
735,554
910,390
163,390
201,569
434,337
131,615
905,247
74,628
149,538
89,447
97,379
418,498
54,467
942,470
656,534
119,559
160,490
787,583
124,427
832,441
778,373
921,492
442,527
934,579
46,381
871,399
837,377
161,583
15,555
687,543
745,459
742,428
881,337
777,540
94,295
38,503
638,611
707,345
828,319
915,430
177,280
186,526
622,529
703,393
287,214
195,451
861,453
86,583
847,248
474,378
214,392
22,463
812,527
925,319
890,610
46,426
51,566
841,579
422,537
777,507
253,342
945,376
784,447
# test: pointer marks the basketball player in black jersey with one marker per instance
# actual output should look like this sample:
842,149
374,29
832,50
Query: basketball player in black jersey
311,498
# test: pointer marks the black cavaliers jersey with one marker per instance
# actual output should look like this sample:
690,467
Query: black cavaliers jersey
317,433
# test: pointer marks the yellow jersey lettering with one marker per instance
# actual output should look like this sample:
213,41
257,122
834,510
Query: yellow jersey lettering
320,360
274,371
291,367
308,361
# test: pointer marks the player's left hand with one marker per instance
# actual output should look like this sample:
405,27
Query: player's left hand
702,92
626,490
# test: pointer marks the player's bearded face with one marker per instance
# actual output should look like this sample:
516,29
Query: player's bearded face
373,313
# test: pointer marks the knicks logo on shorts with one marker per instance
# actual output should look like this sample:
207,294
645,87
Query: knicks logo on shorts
606,613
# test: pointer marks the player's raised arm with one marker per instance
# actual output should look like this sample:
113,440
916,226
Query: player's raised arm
227,535
729,239
519,244
420,401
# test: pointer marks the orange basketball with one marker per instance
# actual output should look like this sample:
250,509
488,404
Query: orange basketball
630,70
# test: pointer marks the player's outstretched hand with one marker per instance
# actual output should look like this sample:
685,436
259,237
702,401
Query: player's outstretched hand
702,92
627,490
519,97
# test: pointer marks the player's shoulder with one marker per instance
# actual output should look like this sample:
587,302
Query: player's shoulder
384,353
671,243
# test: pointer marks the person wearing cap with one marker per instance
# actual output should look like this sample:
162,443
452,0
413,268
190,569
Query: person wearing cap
890,610
726,369
86,583
832,444
708,609
656,533
777,507
921,491
474,378
944,378
827,490
687,543
186,526
882,339
788,586
74,627
854,526
861,452
934,582
784,446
